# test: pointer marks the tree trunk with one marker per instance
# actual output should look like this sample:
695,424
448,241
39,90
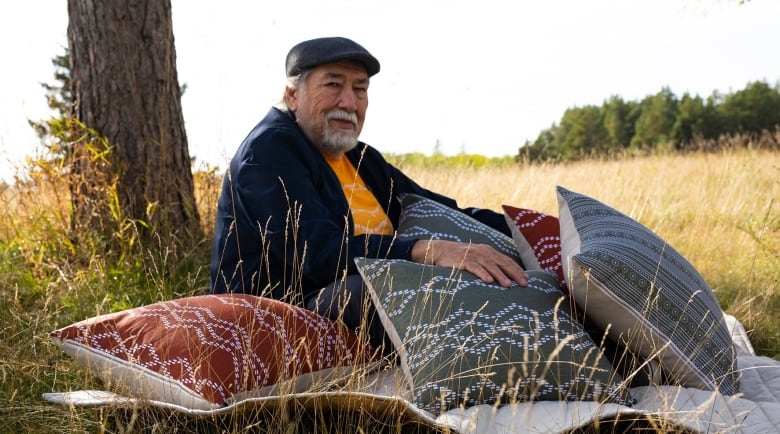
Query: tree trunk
126,90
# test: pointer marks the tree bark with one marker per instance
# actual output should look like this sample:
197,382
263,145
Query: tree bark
125,88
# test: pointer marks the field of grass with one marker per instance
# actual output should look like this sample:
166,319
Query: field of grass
720,210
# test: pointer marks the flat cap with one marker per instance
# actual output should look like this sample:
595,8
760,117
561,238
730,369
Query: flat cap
315,52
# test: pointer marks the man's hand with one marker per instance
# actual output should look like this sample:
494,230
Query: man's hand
482,260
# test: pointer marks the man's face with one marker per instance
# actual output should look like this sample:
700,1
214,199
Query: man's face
331,105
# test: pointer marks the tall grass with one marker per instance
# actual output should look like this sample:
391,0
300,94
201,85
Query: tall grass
719,210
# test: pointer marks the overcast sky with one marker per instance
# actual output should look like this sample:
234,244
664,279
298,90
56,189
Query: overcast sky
478,77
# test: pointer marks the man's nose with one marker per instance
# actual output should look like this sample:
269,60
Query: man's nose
348,99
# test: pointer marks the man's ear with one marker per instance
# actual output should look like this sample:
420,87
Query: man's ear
291,97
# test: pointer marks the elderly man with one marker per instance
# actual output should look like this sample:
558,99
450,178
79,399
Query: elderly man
303,197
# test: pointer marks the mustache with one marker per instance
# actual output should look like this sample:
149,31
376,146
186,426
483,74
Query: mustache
341,115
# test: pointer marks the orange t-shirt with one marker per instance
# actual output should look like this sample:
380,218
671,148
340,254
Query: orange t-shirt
367,216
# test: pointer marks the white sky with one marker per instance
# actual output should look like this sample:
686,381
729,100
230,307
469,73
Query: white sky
478,76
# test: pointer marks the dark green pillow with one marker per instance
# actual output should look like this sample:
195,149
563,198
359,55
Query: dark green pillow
463,342
426,219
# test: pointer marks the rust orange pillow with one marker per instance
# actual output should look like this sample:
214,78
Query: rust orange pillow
538,239
208,351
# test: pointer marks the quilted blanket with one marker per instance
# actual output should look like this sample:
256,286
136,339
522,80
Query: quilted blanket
755,409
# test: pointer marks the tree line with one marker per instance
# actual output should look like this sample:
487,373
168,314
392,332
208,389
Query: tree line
658,122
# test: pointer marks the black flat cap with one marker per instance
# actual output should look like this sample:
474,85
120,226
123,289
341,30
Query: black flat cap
315,52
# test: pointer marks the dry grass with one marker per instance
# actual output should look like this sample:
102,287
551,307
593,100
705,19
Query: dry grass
719,210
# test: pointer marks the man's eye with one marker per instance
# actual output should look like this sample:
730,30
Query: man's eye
333,85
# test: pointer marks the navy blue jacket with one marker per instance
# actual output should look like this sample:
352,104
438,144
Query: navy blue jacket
283,227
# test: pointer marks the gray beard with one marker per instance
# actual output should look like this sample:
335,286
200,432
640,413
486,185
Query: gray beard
338,143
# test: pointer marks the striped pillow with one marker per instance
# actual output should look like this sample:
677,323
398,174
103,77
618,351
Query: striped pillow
625,277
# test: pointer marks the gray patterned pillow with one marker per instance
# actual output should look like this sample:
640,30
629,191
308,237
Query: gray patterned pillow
426,219
624,276
465,342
